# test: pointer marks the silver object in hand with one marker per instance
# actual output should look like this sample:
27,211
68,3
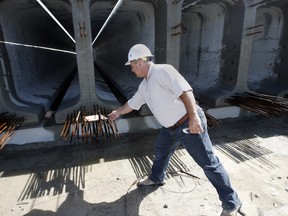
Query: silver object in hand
186,130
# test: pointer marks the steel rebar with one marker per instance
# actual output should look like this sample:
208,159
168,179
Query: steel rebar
92,126
266,105
8,125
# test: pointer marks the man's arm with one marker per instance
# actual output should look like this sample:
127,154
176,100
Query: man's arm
190,103
121,111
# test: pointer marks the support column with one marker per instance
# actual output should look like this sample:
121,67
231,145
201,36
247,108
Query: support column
246,49
83,38
245,52
174,31
85,63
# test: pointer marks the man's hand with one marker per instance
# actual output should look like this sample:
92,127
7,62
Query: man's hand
113,115
195,125
190,104
121,111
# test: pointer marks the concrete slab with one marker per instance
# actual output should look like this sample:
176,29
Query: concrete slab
93,180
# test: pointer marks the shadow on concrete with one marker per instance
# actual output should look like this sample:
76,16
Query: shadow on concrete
243,150
142,165
54,170
240,140
53,182
60,180
244,128
74,204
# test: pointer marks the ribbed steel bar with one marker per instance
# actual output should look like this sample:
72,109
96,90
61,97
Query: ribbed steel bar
212,121
266,105
8,125
92,126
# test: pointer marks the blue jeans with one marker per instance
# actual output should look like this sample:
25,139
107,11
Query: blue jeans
200,148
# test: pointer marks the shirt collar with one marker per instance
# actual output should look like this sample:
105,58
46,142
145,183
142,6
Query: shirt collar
150,70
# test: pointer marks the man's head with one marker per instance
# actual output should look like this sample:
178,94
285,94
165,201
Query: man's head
137,52
139,58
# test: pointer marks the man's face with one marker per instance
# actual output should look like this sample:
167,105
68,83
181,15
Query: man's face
136,68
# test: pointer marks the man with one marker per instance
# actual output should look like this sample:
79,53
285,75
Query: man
171,100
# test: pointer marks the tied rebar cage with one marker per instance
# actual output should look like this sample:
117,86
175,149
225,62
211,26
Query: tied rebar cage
92,126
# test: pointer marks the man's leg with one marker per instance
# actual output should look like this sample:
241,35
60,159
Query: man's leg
164,149
200,148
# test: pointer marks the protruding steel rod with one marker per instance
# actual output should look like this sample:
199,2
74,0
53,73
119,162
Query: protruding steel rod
55,19
107,20
266,105
93,126
8,125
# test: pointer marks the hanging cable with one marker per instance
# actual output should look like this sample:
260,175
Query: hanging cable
191,4
38,47
107,20
55,19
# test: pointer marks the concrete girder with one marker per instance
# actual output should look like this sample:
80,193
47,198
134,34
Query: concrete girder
244,49
10,102
221,47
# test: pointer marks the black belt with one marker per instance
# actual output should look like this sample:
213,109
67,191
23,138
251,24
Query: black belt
179,123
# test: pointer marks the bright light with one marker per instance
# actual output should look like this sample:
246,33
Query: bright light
53,17
38,47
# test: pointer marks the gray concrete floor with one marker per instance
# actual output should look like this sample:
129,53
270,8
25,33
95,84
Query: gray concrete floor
75,180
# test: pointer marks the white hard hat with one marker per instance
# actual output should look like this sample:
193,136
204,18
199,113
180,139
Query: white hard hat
138,51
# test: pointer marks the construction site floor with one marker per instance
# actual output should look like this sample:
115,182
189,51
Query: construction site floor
92,180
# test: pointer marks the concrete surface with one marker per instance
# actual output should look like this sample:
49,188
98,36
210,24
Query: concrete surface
99,180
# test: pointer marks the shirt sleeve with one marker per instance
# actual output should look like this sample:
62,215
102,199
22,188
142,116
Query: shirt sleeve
173,81
136,101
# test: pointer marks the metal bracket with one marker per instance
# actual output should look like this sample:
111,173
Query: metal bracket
181,27
82,29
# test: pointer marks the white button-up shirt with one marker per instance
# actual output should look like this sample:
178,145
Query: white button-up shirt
160,91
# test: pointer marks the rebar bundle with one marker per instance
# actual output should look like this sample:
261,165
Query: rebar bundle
212,121
266,105
93,126
8,125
